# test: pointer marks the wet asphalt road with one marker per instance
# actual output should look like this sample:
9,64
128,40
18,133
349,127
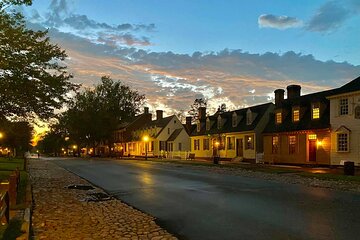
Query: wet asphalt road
196,204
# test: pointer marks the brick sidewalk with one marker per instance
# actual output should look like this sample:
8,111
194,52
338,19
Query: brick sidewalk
62,213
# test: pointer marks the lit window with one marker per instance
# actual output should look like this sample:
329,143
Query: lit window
315,111
249,142
344,106
296,115
312,137
275,144
342,142
278,118
292,144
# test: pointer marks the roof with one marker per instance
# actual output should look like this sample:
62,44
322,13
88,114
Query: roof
352,86
258,112
305,104
174,135
159,122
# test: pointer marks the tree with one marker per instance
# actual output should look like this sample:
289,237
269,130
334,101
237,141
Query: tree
94,114
194,108
33,77
221,108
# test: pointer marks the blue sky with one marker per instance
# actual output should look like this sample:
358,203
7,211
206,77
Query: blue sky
236,52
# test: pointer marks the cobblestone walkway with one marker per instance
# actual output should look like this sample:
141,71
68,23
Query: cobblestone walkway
62,213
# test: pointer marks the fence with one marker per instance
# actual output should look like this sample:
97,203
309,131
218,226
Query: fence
11,186
4,207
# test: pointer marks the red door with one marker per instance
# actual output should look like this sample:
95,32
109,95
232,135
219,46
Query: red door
312,150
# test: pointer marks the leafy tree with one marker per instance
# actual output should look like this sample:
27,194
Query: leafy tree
54,141
95,113
221,108
33,77
194,108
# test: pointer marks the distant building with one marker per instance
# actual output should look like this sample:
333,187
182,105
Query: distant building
162,137
230,135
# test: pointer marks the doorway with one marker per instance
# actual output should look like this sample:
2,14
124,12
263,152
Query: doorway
239,147
312,150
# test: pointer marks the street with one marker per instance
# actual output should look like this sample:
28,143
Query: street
193,203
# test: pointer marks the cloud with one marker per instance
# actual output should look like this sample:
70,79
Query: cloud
59,17
329,17
278,22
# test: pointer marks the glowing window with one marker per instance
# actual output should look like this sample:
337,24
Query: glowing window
315,111
278,118
312,137
296,115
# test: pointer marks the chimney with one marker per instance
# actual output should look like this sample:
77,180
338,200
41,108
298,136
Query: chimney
293,91
202,113
188,123
159,114
146,110
279,96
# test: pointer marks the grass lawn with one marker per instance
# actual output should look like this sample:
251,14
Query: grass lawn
331,176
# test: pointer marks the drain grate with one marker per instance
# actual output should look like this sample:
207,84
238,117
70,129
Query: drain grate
96,197
80,187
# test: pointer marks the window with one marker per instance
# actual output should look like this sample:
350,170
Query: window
315,111
248,117
344,106
312,137
278,118
357,112
219,123
197,144
275,144
296,115
180,147
342,142
234,119
198,126
207,124
206,144
170,147
292,144
151,146
162,146
249,142
231,143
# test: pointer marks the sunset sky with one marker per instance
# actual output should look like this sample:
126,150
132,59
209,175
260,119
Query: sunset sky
233,52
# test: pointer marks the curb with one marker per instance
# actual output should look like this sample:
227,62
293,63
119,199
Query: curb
26,225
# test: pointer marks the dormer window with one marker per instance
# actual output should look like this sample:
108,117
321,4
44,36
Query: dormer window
278,117
296,114
249,117
315,112
198,126
219,122
207,124
234,119
357,112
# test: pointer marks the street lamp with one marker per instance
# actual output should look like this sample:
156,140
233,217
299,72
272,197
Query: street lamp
1,135
146,140
216,157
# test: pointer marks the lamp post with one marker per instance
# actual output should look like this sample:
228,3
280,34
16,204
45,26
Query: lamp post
216,157
146,140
